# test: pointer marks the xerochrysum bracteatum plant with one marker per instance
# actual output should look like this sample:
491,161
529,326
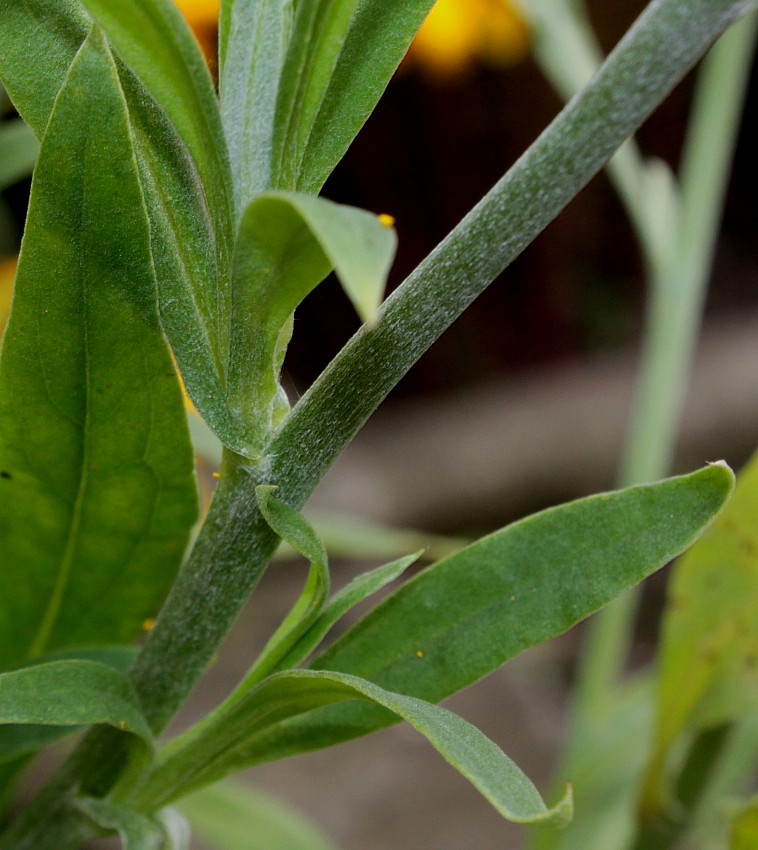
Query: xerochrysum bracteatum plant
168,225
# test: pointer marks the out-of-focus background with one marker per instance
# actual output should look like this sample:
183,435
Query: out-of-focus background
522,404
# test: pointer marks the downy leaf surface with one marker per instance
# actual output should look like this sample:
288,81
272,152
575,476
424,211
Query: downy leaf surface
216,752
97,493
464,616
341,55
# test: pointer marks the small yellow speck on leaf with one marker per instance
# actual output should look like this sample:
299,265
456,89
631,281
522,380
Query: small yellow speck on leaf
386,219
122,724
217,475
420,654
513,598
149,624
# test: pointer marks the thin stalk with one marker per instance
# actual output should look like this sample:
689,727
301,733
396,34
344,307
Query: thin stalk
673,323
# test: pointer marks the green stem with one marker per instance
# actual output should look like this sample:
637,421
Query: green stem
673,324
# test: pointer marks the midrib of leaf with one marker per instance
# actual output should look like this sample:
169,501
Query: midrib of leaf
39,643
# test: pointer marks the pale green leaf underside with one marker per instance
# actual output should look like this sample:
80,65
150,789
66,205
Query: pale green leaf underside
97,494
238,817
216,752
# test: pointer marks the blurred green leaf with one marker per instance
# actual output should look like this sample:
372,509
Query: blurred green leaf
18,152
287,245
136,831
97,493
708,660
744,828
215,752
71,693
463,617
340,58
237,817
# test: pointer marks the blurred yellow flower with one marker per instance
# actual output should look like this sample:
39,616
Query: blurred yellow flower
7,274
458,33
202,16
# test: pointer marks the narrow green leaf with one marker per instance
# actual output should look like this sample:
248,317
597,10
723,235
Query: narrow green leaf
97,494
190,251
293,528
341,56
707,669
154,39
216,752
71,693
254,35
18,152
238,817
287,244
377,38
359,589
463,617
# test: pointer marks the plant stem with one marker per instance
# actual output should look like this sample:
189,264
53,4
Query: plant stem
673,322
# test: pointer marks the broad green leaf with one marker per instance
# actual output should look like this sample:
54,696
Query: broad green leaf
253,41
707,673
287,245
293,528
156,42
341,56
463,617
215,753
356,591
18,152
23,740
191,258
71,693
97,493
233,816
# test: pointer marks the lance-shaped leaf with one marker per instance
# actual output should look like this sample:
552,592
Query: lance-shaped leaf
201,758
71,693
252,45
463,617
97,493
156,42
233,816
18,152
294,528
340,58
287,244
707,672
38,41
